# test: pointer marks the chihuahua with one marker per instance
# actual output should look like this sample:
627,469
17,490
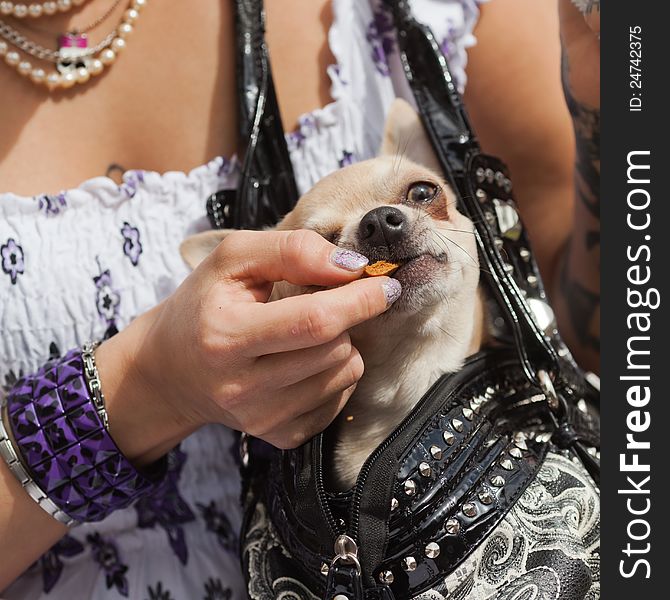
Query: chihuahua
395,208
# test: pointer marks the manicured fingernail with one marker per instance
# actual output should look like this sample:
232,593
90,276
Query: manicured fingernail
348,259
392,290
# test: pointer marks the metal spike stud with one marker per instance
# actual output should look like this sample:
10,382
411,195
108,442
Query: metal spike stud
410,487
424,469
452,526
324,569
409,564
479,173
481,195
524,253
485,497
449,437
468,413
515,452
432,550
394,504
506,464
489,175
436,452
498,480
469,509
457,425
386,577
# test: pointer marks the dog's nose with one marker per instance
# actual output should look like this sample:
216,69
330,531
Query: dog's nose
382,226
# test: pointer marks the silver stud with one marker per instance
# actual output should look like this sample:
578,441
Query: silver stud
519,436
436,452
581,405
507,184
498,480
481,195
592,451
490,391
515,452
457,424
468,413
324,569
449,437
475,406
509,268
510,225
506,464
485,497
524,253
521,444
394,504
543,437
500,178
341,597
464,137
489,175
469,509
452,526
432,550
532,280
410,487
499,243
490,217
480,174
409,564
386,577
424,469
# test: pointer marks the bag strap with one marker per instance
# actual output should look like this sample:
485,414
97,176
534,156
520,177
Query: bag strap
267,188
484,190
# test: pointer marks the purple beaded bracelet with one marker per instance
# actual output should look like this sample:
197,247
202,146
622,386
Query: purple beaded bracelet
66,448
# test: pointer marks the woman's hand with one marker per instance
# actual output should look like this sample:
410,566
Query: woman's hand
217,351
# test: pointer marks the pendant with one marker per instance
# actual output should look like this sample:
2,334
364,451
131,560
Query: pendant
72,52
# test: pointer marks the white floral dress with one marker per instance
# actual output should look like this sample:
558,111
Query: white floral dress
82,263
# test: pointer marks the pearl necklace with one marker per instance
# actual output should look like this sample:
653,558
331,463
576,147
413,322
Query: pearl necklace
76,63
21,11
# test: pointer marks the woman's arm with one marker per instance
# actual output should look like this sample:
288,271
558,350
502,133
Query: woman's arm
188,362
515,99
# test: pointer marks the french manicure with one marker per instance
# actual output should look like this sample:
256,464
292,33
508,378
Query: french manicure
392,290
348,259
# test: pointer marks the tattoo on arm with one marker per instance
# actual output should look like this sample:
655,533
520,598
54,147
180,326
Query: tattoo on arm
581,291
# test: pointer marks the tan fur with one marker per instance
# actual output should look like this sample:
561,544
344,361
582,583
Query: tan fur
439,319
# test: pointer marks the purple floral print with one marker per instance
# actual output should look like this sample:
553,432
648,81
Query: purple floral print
131,181
158,593
12,259
107,300
381,37
52,204
166,508
132,247
51,563
346,159
214,590
106,555
306,126
217,522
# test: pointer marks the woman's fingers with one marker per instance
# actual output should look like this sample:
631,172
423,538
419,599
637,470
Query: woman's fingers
286,409
300,257
315,319
286,368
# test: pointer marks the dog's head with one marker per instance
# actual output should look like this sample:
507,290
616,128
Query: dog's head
396,208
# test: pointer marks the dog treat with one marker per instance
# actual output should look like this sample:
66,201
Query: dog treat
381,267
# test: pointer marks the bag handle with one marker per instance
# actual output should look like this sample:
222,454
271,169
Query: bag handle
484,191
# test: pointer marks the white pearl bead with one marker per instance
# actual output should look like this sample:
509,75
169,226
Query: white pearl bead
83,75
20,11
64,5
3,48
35,10
107,56
139,4
37,75
6,8
24,68
12,58
68,80
95,67
118,44
131,15
49,8
52,80
125,29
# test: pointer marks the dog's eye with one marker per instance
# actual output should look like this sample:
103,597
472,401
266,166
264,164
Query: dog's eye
422,192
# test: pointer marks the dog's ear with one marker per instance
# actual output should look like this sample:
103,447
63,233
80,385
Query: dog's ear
404,134
196,247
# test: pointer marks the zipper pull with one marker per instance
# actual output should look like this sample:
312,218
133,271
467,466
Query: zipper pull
344,575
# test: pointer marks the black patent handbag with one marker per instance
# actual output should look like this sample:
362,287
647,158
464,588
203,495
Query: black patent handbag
489,488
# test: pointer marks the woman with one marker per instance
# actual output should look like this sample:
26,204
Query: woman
102,257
